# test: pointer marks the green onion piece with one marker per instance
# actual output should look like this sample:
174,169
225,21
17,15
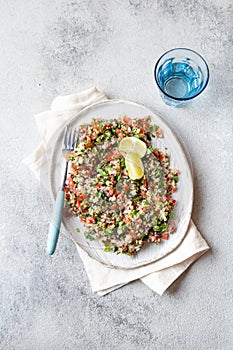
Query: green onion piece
107,249
155,127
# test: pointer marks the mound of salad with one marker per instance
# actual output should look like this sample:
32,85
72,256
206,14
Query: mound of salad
123,214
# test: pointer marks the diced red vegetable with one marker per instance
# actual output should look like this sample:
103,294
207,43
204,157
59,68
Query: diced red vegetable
111,191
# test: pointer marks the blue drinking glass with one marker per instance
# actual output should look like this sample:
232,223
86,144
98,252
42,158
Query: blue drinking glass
181,75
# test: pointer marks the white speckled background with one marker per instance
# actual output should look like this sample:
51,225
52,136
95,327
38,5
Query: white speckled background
57,47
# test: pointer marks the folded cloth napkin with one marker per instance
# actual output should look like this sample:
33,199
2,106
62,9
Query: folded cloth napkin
158,275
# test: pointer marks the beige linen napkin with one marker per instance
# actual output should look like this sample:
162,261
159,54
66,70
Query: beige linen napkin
158,275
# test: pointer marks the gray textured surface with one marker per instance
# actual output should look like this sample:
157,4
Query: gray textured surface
51,47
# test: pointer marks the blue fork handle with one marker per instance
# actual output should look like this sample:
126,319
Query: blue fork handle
55,223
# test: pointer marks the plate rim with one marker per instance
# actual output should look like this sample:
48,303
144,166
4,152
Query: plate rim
188,165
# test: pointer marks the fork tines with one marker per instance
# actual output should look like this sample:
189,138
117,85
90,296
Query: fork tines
71,138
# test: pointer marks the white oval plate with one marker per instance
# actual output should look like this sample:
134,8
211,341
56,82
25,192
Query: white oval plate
184,194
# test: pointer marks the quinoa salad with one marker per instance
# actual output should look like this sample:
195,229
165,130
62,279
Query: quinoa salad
123,214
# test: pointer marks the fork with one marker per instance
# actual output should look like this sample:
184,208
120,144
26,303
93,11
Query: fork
71,139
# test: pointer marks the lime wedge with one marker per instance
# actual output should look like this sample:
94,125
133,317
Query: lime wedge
133,145
134,166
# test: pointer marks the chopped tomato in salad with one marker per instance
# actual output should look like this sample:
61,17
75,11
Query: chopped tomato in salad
122,213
